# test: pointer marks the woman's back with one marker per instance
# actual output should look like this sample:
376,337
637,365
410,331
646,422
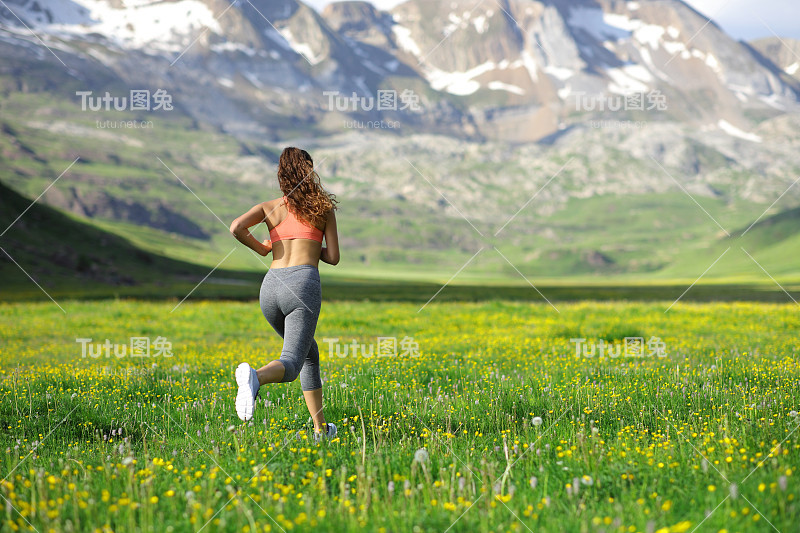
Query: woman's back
291,251
298,221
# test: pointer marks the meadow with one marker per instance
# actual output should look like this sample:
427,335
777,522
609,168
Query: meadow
496,425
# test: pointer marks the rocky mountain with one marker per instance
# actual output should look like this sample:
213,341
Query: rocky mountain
527,68
783,52
255,68
511,70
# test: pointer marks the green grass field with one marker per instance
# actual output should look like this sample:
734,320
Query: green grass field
518,432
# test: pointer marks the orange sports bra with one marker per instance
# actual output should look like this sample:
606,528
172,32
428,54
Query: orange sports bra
292,227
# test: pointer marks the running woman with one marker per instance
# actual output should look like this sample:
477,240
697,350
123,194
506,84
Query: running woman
290,294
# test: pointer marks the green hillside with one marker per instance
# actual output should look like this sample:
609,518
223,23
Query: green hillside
70,259
67,257
770,247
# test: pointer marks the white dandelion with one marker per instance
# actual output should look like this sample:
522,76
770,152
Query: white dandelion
421,456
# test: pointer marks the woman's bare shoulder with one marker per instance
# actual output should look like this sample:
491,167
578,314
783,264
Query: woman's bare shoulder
269,205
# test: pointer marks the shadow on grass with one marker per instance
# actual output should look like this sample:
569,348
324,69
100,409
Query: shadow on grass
244,286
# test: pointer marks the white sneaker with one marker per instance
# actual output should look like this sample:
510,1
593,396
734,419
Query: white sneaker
330,434
247,379
331,430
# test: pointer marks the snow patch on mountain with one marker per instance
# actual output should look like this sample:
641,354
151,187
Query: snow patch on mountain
233,47
733,131
559,72
530,65
164,26
463,83
304,49
629,79
619,27
480,22
273,35
593,21
648,61
404,40
647,34
500,86
459,83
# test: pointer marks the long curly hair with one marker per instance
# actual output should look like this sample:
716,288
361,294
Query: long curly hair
300,183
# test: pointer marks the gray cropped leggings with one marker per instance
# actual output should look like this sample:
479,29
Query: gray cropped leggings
290,300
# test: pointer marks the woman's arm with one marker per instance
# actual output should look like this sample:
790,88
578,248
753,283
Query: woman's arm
240,228
330,253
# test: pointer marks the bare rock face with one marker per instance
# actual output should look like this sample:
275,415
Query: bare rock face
362,22
100,204
784,53
598,260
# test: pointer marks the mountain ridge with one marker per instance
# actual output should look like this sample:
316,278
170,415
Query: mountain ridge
516,71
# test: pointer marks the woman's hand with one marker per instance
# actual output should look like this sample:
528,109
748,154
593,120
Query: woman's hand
268,245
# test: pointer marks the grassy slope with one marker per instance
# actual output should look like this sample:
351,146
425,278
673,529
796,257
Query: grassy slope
772,243
68,256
